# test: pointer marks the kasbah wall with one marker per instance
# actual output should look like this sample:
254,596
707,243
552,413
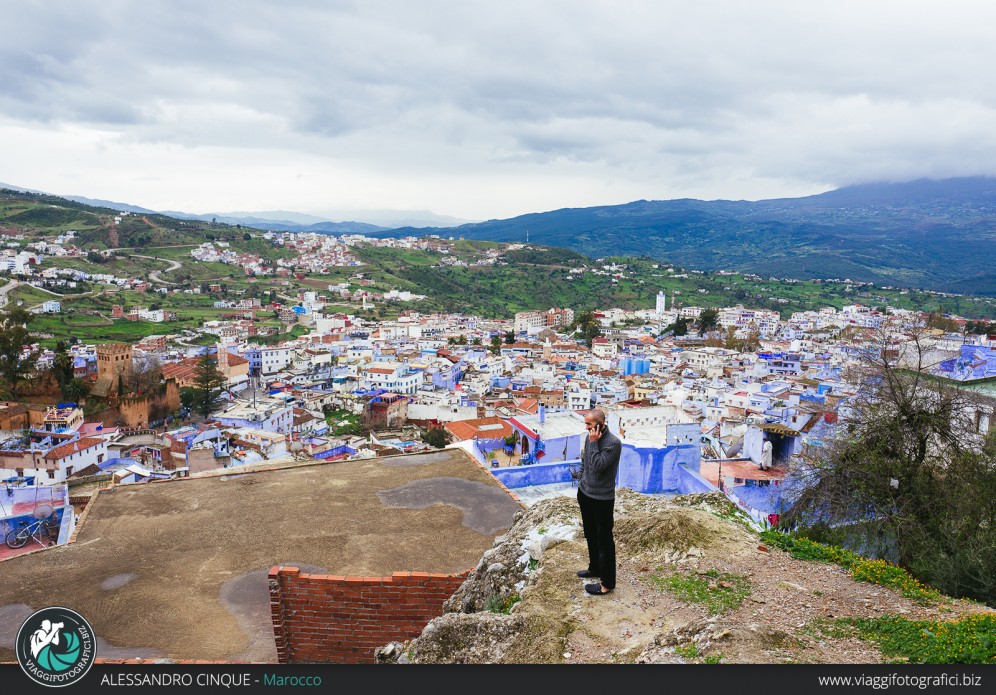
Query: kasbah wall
328,618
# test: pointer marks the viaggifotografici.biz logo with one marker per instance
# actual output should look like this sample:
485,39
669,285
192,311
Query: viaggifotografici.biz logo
55,646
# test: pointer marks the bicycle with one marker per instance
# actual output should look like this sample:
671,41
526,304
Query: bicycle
39,531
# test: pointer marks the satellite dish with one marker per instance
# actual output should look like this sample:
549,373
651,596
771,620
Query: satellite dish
42,511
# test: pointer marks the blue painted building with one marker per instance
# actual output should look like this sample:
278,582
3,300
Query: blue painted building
447,376
972,362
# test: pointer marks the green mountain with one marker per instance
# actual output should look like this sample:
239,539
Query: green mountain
926,234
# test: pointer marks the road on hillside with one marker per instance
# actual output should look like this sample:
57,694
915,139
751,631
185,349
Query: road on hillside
154,275
4,299
5,289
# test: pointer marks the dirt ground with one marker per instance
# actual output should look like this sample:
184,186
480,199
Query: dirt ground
556,621
178,569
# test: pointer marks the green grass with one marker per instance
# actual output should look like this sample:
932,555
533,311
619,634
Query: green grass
968,640
687,651
718,591
497,604
872,571
29,295
343,422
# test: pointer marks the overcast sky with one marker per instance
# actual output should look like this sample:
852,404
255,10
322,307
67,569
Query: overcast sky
488,109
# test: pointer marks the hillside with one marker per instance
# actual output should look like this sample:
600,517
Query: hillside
928,234
695,585
540,277
38,215
157,248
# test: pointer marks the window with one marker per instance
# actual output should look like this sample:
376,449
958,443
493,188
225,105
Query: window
51,474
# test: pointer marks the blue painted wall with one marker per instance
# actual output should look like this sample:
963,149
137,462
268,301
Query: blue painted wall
536,474
647,470
690,482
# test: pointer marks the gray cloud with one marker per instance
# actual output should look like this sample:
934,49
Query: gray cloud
709,99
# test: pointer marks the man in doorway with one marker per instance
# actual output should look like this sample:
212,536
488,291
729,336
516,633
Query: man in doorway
596,498
766,455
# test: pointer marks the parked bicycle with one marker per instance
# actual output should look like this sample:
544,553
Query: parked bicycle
40,531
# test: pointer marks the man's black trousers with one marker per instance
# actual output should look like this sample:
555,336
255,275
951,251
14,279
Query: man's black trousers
596,520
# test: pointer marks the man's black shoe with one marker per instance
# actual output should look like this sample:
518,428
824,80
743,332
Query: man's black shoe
596,589
586,574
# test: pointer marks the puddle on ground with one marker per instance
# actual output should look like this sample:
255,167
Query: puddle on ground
117,581
11,617
486,509
247,597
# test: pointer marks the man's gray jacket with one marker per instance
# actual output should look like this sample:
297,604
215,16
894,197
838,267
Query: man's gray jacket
599,465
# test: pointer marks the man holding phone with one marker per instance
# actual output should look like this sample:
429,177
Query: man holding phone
596,498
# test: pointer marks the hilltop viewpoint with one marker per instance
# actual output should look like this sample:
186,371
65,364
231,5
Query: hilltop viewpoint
695,585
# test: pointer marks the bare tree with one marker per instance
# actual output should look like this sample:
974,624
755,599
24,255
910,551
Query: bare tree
143,376
910,473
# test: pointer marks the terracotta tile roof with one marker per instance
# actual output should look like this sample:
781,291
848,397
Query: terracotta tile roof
64,450
179,371
236,360
485,428
528,405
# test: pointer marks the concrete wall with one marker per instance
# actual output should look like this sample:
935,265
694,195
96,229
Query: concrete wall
323,618
655,469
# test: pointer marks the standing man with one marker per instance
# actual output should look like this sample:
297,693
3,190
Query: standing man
596,497
766,455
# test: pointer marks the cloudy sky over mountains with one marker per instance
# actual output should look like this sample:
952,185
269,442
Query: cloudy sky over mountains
484,110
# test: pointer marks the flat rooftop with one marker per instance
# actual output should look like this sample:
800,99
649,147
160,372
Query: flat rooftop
178,569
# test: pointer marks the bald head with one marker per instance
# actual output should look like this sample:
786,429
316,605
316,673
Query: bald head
594,422
595,415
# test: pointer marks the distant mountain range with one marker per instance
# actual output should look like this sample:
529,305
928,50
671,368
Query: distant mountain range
340,222
932,234
334,222
938,235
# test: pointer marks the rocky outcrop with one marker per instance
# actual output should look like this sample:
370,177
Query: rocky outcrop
523,603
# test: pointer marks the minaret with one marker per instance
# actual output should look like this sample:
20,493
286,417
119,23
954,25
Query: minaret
223,361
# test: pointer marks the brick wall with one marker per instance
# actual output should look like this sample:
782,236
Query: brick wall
326,618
